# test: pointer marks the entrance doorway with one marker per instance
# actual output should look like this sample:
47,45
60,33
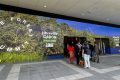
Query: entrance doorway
71,40
104,45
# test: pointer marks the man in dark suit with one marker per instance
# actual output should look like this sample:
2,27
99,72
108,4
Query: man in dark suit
78,52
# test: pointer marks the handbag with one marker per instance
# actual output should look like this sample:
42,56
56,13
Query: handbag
82,63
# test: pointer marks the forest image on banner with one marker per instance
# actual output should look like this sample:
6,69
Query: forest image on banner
25,37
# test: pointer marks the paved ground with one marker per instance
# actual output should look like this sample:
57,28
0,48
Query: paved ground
107,69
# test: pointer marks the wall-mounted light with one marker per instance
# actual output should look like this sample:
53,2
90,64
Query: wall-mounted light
44,6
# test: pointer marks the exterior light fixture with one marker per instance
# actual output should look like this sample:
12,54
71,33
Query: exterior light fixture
44,6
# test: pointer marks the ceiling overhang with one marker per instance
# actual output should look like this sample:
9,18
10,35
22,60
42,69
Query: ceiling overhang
53,15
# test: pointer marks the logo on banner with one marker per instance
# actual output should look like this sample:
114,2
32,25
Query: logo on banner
116,40
49,38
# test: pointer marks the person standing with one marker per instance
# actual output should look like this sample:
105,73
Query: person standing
71,50
78,53
96,56
92,52
86,55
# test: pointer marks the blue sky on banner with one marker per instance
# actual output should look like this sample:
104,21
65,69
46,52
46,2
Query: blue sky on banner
93,28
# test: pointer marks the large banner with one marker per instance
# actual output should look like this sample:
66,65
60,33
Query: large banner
27,34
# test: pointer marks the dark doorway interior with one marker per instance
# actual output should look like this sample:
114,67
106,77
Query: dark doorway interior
104,45
71,40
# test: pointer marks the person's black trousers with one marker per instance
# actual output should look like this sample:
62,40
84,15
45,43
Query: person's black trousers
77,59
80,55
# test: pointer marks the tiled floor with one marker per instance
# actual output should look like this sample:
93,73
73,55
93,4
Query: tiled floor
107,69
45,71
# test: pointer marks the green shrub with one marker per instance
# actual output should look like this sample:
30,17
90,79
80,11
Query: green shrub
14,57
